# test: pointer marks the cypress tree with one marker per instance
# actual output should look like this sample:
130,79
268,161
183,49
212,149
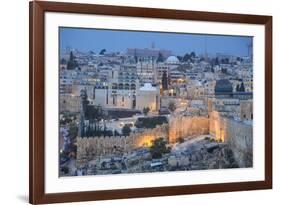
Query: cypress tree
71,64
160,58
164,81
242,87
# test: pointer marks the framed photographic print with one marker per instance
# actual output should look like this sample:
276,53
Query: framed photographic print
139,102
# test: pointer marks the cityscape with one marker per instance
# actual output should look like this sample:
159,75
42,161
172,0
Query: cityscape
142,102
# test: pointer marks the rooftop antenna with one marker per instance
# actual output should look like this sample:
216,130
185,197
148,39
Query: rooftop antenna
153,45
250,47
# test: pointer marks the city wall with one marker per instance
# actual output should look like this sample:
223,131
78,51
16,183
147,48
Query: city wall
238,135
187,126
89,148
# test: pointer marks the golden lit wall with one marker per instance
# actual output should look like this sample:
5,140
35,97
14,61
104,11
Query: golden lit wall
187,126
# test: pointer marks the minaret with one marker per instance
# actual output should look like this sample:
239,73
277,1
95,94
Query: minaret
250,47
205,45
154,70
152,45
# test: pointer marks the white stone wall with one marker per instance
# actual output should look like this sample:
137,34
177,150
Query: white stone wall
100,97
146,99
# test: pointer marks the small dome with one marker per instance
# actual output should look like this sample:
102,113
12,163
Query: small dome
172,60
223,86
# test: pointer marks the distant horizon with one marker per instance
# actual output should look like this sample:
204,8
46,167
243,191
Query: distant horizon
90,39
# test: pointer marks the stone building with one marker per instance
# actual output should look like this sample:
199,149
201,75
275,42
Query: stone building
148,96
233,104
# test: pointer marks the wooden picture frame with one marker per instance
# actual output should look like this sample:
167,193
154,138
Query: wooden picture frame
37,11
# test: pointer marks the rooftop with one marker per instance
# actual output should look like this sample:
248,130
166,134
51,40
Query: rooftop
147,87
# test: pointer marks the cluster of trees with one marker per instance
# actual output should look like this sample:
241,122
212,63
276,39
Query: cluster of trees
224,70
172,106
72,63
160,58
158,148
146,110
90,132
63,61
224,61
217,61
180,140
96,117
126,130
67,119
102,52
240,88
73,131
189,57
150,122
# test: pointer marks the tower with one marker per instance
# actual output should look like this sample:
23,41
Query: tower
153,45
83,105
250,49
206,49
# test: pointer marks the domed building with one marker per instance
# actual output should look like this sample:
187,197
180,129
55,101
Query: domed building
172,60
223,87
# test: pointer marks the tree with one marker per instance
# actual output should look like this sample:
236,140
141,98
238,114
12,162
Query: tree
126,130
150,122
172,106
217,61
116,133
180,58
158,148
180,140
160,57
224,70
64,169
136,59
225,60
71,64
202,59
63,61
95,115
192,54
186,57
73,130
102,52
242,87
164,81
146,110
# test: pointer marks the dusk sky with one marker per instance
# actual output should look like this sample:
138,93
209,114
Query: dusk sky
179,44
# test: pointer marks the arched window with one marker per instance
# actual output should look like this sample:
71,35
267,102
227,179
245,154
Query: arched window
120,86
133,86
127,86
